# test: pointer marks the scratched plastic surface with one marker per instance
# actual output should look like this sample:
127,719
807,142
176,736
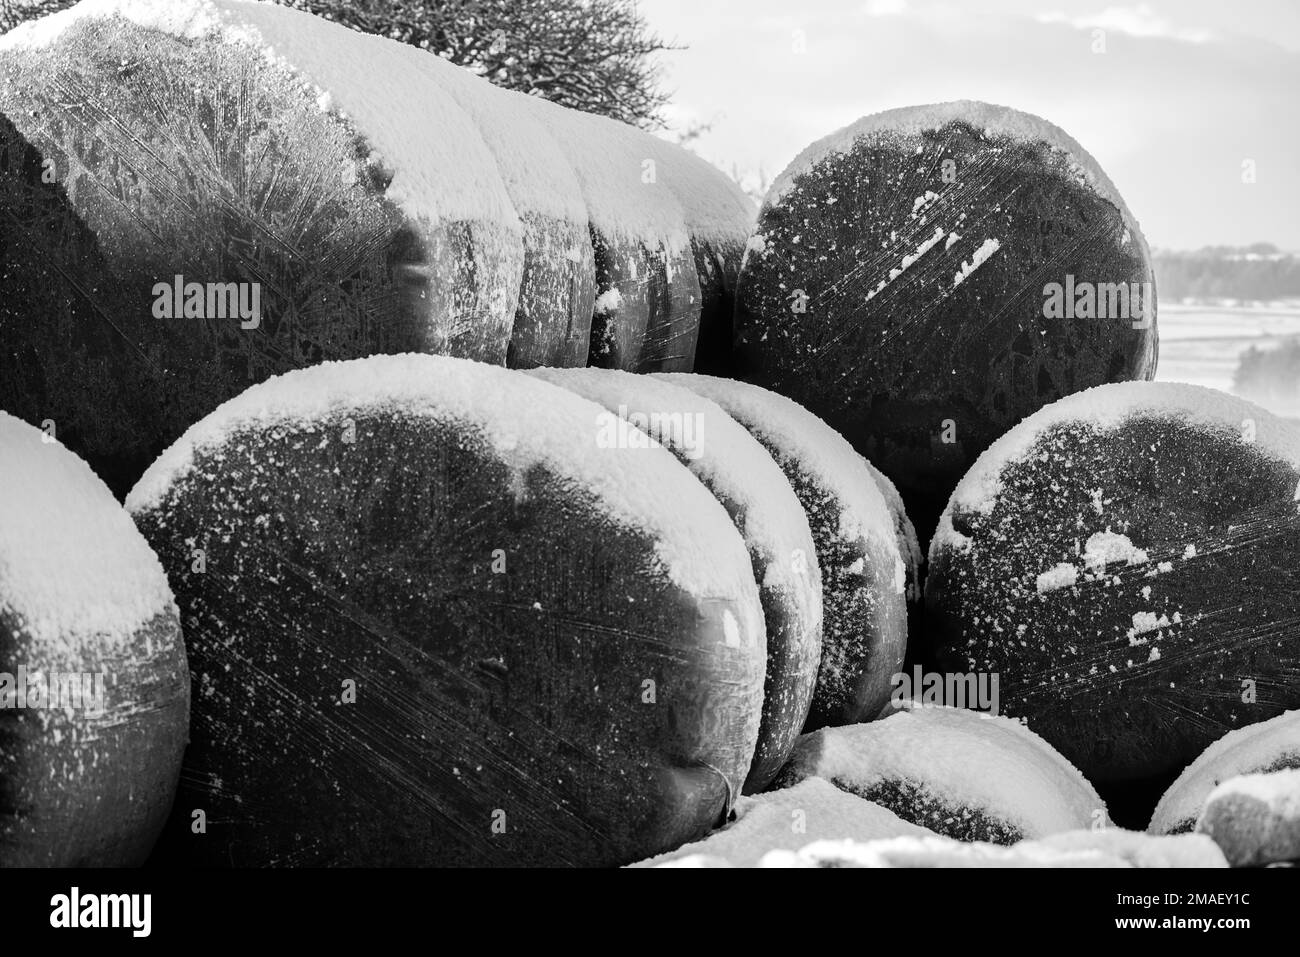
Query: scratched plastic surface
648,308
748,483
82,785
515,699
887,350
242,178
1140,663
864,612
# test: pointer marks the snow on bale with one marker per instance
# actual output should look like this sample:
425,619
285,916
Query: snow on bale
1268,746
1108,847
930,852
864,613
432,620
1139,849
1127,561
719,217
963,774
743,477
314,197
909,546
647,312
1255,818
787,820
897,285
557,293
94,689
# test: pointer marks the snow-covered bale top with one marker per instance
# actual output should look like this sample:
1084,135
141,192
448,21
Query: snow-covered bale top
442,170
1107,407
949,765
787,820
529,422
1267,746
1255,818
994,120
1105,847
76,578
724,455
783,423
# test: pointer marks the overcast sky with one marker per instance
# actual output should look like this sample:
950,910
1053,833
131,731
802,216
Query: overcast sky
1184,92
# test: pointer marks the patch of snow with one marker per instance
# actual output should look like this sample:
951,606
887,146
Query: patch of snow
608,301
1057,577
965,758
75,574
1143,623
530,422
1105,548
977,259
785,424
1139,849
1107,407
1248,750
727,459
1255,818
922,248
442,169
789,819
995,120
611,160
936,851
909,546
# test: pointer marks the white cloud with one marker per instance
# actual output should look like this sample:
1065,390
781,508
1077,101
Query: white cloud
1137,21
885,8
1170,122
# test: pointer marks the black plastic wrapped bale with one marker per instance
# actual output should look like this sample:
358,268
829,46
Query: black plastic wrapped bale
557,293
1128,561
647,311
864,578
94,689
1263,748
209,214
898,283
743,477
719,217
962,774
909,548
433,621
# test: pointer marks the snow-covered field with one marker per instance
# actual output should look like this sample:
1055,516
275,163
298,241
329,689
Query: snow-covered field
1203,344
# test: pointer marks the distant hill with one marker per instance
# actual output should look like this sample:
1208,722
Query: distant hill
1257,272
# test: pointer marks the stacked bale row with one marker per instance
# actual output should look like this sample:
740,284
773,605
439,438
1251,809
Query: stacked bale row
440,612
906,281
359,196
1123,561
